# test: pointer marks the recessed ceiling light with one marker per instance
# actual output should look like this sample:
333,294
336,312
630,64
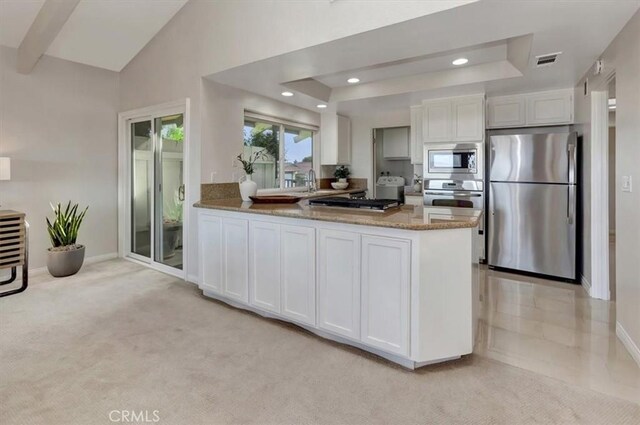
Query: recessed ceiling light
460,61
353,80
287,93
322,106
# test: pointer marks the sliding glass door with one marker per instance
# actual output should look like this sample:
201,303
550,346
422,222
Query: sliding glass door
157,191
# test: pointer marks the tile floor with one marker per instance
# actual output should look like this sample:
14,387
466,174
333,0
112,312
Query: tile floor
555,329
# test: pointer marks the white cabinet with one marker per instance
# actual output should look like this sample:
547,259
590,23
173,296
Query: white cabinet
235,267
531,109
223,256
506,111
550,108
385,293
344,141
395,143
264,263
436,122
339,282
335,139
417,143
210,252
468,118
457,119
298,259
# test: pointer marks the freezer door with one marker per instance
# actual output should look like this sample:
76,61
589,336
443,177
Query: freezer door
532,228
537,158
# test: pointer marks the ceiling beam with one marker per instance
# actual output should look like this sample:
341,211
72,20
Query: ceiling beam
43,30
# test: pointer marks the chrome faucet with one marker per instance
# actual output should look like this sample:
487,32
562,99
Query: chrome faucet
312,181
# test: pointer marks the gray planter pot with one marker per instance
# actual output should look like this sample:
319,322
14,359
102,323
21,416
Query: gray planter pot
65,263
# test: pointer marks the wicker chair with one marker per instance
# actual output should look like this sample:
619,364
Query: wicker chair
14,248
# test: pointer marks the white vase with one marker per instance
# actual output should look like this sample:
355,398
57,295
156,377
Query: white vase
248,188
342,180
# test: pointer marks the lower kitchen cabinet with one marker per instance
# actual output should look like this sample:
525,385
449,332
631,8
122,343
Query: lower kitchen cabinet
264,265
235,269
339,282
298,271
210,253
385,293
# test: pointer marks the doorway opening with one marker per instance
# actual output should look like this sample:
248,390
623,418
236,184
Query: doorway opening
611,161
392,156
152,183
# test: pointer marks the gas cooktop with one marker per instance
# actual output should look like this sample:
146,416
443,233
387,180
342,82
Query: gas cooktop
363,204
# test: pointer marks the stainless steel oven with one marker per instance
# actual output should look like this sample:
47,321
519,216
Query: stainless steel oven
455,161
457,194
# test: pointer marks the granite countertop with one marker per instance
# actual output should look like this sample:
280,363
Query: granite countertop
406,193
408,217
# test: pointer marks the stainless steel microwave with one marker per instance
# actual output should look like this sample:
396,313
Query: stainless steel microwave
457,161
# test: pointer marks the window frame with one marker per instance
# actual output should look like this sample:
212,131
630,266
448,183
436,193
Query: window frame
282,123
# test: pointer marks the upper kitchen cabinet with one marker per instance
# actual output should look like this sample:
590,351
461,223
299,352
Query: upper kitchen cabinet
458,119
416,135
531,109
554,107
506,111
468,118
436,121
335,139
395,143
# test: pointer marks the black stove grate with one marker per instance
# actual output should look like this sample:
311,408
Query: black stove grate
369,204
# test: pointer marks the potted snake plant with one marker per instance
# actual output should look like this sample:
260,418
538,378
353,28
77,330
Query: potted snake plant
65,257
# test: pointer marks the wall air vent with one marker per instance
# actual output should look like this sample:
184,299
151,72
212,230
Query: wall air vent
548,59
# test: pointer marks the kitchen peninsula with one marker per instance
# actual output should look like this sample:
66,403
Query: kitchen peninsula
402,284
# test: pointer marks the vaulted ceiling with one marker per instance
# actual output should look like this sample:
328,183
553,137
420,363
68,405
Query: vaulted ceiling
102,33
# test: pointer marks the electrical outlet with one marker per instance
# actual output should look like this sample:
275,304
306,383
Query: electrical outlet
626,184
213,176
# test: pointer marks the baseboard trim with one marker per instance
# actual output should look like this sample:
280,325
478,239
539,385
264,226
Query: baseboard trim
628,343
89,260
586,285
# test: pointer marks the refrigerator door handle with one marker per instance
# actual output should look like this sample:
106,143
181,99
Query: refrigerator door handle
571,149
571,195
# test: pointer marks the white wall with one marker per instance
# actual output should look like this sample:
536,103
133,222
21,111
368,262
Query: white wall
59,127
623,56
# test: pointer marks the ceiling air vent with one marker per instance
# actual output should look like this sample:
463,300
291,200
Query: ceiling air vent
548,59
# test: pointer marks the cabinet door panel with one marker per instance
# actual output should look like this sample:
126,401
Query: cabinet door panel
298,273
395,143
468,119
416,135
436,124
506,111
210,255
339,282
550,108
385,293
264,259
235,254
344,140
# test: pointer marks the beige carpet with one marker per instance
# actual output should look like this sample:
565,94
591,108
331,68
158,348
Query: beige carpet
121,337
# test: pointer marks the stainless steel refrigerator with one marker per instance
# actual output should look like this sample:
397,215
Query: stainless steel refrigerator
532,203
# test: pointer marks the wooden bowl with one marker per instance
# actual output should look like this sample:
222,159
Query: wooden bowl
275,199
